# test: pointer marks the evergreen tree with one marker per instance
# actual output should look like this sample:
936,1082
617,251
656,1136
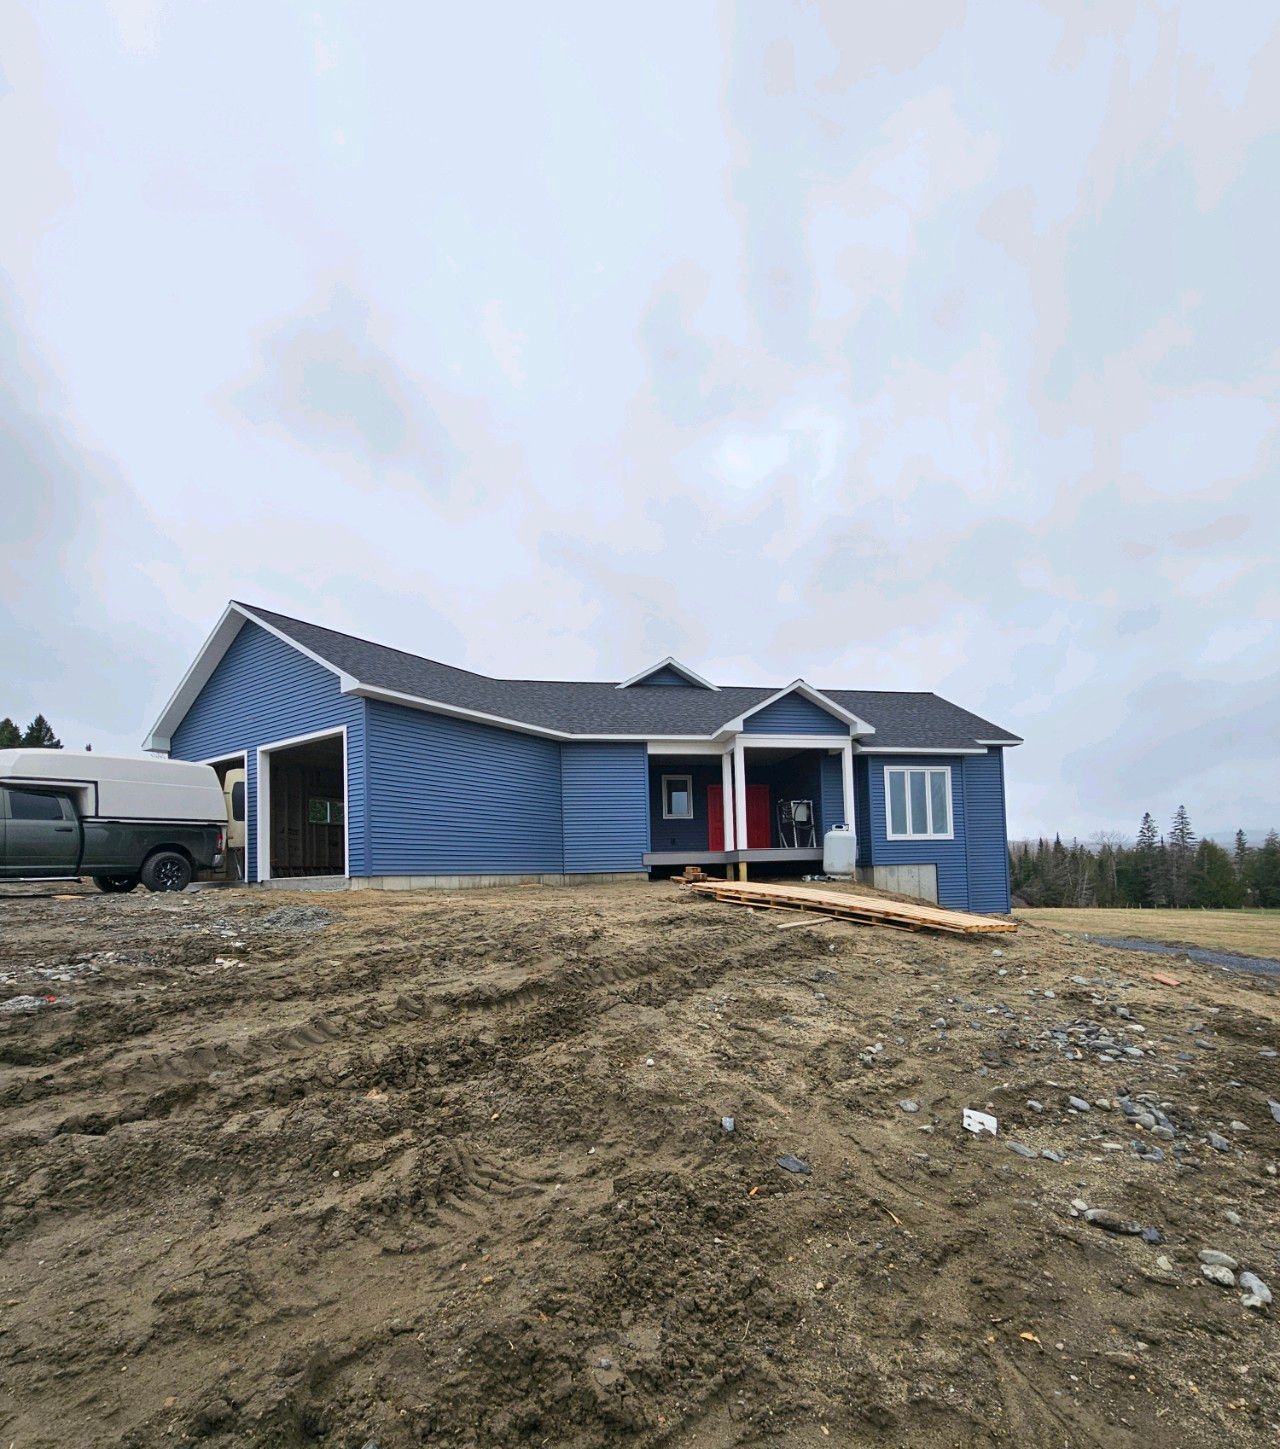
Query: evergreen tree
10,734
1265,871
1147,872
1242,854
1214,882
39,735
1181,843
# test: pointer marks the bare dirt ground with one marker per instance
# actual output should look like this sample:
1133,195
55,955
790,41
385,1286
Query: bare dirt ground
286,1170
1252,932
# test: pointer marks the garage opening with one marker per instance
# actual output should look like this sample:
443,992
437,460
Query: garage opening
305,795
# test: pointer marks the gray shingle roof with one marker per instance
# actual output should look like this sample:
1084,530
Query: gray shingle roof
901,720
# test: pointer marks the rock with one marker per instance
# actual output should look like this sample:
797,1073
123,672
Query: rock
793,1164
1164,1264
1052,1155
1256,1293
1275,1109
727,1124
1239,1127
1103,1104
1218,1142
1152,1236
18,1004
908,1104
1034,1105
1215,1273
1021,1149
1112,1222
1233,1218
1212,1258
1079,1204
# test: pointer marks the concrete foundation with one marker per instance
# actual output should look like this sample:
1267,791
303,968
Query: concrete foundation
446,882
920,881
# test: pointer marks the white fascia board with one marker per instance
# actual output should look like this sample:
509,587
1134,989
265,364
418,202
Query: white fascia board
814,696
686,747
794,742
194,680
912,750
1007,744
207,660
292,642
668,663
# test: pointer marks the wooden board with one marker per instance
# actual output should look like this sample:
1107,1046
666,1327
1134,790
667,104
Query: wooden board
850,906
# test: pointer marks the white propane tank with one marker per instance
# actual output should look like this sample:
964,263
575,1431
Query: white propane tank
838,849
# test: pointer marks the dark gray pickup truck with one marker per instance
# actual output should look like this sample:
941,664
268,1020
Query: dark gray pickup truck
119,820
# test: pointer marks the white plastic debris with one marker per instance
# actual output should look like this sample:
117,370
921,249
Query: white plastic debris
978,1122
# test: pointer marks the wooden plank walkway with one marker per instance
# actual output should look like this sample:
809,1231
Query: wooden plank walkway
848,906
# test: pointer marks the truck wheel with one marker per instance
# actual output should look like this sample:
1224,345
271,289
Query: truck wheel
115,885
166,870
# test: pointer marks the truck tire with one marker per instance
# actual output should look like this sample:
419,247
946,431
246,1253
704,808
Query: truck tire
114,885
166,870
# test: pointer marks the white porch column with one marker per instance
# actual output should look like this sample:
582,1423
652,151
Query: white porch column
846,776
726,791
739,795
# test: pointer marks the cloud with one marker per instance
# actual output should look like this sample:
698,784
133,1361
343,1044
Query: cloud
327,378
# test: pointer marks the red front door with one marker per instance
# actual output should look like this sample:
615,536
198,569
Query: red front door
759,819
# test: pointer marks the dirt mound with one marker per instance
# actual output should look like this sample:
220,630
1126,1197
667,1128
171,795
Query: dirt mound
452,1169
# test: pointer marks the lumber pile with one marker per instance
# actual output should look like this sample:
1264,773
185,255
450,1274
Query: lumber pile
850,906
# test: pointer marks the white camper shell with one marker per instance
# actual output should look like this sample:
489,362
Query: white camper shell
122,787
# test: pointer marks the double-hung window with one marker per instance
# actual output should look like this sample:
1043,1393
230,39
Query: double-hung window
677,797
918,803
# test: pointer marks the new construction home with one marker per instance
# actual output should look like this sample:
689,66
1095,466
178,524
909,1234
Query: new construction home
384,768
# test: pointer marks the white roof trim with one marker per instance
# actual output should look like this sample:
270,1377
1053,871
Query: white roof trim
915,750
814,696
207,660
1012,740
668,663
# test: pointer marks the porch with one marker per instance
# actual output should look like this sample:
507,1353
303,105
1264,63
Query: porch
765,800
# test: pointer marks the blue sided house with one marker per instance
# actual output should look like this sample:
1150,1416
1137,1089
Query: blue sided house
386,769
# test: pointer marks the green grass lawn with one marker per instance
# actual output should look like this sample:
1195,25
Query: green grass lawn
1250,932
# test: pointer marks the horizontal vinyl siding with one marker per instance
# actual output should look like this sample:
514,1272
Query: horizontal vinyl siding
452,797
264,690
862,808
665,678
794,715
681,834
985,832
831,806
948,855
606,806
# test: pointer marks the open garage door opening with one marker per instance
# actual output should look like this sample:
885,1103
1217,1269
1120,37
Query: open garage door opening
302,811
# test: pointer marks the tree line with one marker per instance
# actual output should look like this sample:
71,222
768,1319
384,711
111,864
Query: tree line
37,735
1169,869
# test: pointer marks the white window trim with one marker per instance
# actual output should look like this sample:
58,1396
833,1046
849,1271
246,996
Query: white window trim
890,833
688,789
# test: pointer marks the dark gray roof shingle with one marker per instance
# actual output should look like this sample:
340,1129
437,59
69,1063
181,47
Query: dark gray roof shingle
901,720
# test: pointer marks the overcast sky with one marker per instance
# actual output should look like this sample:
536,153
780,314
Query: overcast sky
928,346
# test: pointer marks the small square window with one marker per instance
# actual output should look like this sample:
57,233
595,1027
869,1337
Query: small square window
677,797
